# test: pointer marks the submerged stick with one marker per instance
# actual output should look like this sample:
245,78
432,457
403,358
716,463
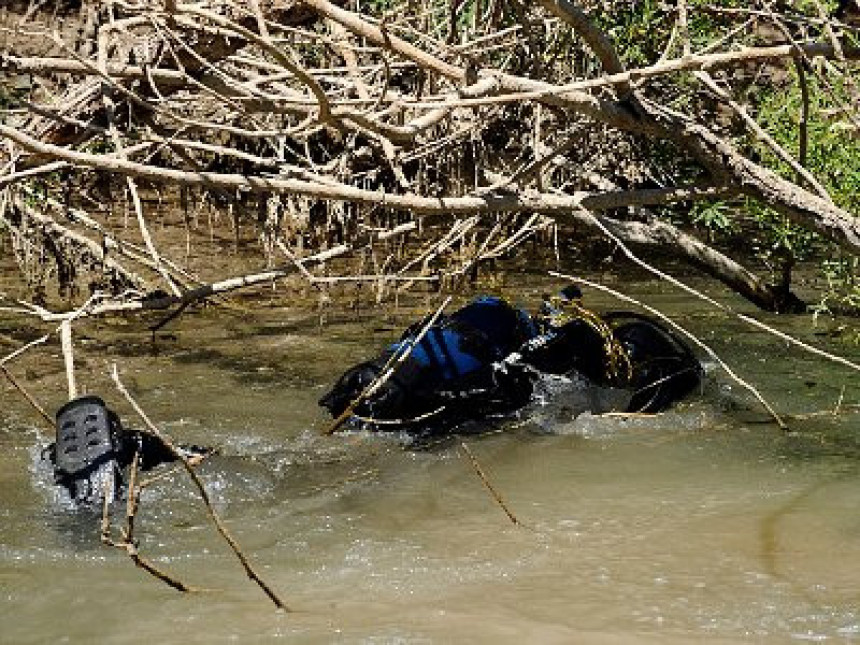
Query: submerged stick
839,401
33,403
483,477
127,543
213,514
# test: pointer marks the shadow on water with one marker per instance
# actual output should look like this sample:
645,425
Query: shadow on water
77,529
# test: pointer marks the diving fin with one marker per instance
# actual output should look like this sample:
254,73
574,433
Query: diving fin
85,455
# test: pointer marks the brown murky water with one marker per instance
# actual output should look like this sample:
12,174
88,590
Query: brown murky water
703,524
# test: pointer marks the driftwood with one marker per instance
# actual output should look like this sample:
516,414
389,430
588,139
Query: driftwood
655,232
69,357
127,541
645,117
244,63
209,47
698,342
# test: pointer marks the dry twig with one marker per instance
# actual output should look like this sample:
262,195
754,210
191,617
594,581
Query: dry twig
204,495
485,480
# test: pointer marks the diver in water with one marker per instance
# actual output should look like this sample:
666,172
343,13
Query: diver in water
487,358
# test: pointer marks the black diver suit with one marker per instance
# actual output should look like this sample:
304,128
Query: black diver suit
486,357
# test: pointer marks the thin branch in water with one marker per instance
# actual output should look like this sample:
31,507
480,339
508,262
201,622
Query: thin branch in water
204,495
21,350
698,294
401,422
127,543
839,401
485,480
387,371
33,403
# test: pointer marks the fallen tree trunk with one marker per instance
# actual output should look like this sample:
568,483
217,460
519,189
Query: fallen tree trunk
419,204
657,234
665,237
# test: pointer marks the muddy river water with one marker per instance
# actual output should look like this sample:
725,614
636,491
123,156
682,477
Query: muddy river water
704,524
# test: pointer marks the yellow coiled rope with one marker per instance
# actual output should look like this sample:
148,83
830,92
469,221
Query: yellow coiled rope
617,364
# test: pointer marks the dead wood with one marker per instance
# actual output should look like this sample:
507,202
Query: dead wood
350,114
127,541
88,252
28,397
250,571
134,50
698,342
486,481
330,133
657,233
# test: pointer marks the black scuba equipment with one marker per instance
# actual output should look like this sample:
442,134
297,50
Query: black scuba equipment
85,453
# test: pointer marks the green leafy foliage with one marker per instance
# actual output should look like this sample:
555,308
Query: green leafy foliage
643,33
843,287
640,29
833,155
715,217
378,7
9,96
